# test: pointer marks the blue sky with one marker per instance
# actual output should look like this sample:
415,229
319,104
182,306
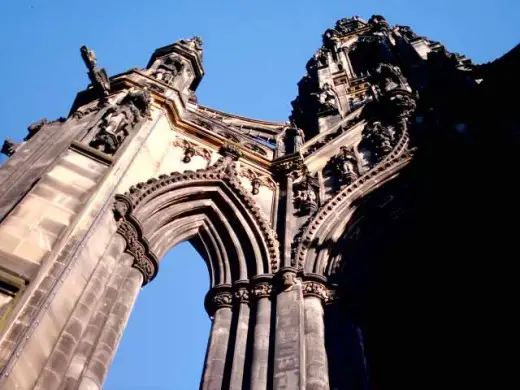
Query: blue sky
255,52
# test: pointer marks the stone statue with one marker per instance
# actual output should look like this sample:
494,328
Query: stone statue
379,140
299,139
98,76
306,198
119,120
194,43
170,68
9,147
327,98
390,77
346,165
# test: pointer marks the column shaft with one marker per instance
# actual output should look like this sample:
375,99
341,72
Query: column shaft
217,350
239,353
262,330
316,366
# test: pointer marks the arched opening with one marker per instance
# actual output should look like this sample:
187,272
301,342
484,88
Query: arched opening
166,337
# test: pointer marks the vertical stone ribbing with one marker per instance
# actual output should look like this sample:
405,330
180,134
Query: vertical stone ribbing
260,361
316,367
108,341
221,305
64,349
289,362
96,324
241,332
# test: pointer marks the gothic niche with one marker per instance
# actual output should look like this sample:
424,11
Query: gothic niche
306,195
345,166
378,140
120,119
169,69
327,100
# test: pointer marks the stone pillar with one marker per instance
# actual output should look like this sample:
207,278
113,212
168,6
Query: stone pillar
261,293
219,302
316,367
105,348
242,328
289,362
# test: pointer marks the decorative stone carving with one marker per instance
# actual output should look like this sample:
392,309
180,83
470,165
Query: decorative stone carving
191,150
291,141
291,167
169,69
315,289
403,105
327,99
222,299
262,290
346,165
118,120
34,128
144,260
242,296
390,77
306,195
258,180
9,147
378,139
194,43
288,279
231,151
98,76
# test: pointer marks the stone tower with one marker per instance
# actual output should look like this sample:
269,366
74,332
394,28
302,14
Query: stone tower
290,218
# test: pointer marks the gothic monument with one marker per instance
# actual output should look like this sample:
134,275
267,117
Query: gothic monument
309,228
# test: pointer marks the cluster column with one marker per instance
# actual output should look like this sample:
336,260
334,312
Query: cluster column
219,303
261,295
241,330
316,364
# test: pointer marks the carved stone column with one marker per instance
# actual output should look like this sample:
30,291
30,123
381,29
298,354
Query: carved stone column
261,293
242,327
289,341
219,303
316,367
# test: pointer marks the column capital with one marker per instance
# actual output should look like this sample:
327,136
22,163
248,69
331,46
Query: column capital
261,290
217,298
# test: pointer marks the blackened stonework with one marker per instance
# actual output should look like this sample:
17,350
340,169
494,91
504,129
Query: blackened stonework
367,243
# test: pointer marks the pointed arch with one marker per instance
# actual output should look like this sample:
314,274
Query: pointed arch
210,209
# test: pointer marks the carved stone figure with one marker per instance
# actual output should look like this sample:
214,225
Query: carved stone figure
327,99
34,128
379,140
403,105
299,139
390,77
306,199
169,69
346,165
118,120
9,147
194,43
98,76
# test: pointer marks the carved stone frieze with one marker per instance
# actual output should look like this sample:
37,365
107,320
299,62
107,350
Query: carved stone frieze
120,119
191,149
315,289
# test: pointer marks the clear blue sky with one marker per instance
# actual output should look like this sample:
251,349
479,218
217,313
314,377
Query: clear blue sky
255,52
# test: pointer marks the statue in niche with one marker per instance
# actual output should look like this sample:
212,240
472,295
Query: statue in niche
169,69
327,98
390,77
119,119
306,198
346,164
299,139
321,58
379,140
